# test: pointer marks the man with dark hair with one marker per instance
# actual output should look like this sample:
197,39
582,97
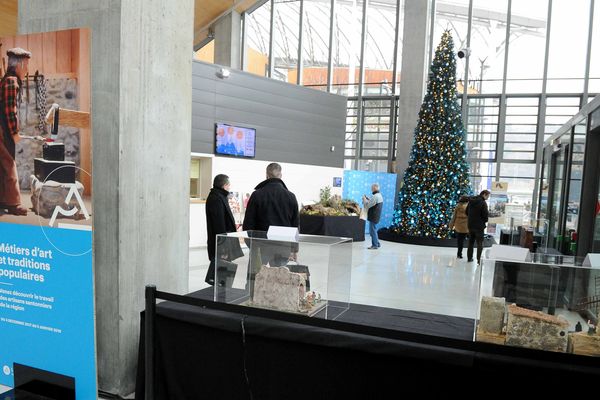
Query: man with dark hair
219,219
272,204
10,89
477,216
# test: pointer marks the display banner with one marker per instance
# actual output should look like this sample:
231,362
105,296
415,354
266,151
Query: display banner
47,333
358,183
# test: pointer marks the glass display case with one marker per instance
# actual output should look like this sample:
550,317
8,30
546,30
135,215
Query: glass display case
310,276
546,302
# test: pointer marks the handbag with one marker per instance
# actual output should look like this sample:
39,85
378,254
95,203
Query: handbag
363,214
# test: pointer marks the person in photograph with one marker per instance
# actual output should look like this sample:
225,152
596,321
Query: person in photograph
477,216
373,205
459,223
10,92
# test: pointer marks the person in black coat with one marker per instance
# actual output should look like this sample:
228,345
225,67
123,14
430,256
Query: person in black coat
272,204
477,216
219,219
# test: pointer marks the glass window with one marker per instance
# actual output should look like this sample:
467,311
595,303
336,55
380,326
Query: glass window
594,85
315,43
482,128
488,35
379,47
206,53
453,15
346,51
527,46
257,40
568,46
285,40
572,212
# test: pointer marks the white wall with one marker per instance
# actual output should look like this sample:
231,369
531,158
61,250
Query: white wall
304,181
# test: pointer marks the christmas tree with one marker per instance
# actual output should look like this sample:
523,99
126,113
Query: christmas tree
437,173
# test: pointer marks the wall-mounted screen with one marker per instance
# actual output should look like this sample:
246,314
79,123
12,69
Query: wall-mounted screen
235,141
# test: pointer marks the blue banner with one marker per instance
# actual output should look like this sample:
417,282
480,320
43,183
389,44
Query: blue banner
357,183
47,303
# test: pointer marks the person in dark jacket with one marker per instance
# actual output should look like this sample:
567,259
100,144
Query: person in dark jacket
374,205
477,216
272,204
219,219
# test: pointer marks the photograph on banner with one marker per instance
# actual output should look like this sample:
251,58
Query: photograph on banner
46,271
497,203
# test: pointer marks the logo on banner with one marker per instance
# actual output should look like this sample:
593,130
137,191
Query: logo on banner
73,211
67,207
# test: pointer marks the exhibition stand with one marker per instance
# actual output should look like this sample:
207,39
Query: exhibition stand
341,226
193,347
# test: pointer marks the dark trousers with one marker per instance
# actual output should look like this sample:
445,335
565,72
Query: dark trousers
473,236
460,239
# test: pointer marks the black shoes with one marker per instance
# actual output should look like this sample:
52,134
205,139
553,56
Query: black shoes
459,256
470,260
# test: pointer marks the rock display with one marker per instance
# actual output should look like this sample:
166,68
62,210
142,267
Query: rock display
536,330
491,315
45,197
585,344
278,288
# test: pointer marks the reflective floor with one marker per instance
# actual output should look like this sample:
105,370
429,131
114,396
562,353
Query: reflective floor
408,277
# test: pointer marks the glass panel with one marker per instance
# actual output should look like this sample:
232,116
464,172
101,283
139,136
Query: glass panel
372,165
285,40
206,53
596,243
527,42
257,40
546,302
594,85
379,47
559,159
453,15
545,183
346,50
572,212
568,46
308,276
488,35
482,175
482,127
315,43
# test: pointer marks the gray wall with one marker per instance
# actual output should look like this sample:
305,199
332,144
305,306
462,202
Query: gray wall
293,124
141,107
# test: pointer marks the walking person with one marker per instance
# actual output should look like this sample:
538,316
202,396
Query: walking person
477,216
459,223
219,219
374,205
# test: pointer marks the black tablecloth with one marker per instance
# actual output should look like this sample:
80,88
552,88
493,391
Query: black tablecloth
214,354
351,227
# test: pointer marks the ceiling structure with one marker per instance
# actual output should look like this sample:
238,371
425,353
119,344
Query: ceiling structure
206,12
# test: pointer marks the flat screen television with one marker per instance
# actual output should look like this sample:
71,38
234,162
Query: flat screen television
235,141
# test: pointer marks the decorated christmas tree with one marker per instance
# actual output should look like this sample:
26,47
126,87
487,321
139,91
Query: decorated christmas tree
437,173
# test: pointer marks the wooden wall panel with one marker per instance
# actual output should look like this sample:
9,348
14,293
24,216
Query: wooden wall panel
52,53
49,52
34,45
63,51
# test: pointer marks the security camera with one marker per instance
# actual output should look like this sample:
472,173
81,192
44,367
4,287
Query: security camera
223,73
464,52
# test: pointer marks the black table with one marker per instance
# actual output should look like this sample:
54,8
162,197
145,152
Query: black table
342,226
215,354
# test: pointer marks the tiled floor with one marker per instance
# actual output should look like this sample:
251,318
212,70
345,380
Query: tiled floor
408,277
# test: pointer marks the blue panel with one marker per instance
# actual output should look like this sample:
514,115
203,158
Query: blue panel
47,303
357,183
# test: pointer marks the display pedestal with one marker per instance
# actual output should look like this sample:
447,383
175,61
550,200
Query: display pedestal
342,226
388,235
